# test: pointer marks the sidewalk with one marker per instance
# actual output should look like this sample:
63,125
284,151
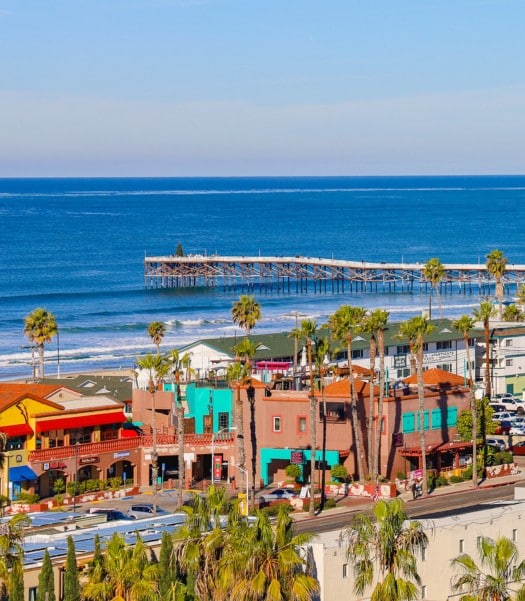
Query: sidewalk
350,504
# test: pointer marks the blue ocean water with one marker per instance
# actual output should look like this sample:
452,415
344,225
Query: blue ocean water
76,247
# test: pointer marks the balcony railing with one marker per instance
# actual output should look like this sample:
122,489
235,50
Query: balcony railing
125,444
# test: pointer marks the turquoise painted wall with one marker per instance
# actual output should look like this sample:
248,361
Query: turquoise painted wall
199,399
267,455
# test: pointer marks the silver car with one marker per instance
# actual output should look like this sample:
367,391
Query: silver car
278,494
144,510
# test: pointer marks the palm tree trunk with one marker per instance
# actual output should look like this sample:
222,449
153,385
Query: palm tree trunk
377,451
487,359
474,412
421,397
313,430
370,419
41,361
241,452
180,442
355,416
499,296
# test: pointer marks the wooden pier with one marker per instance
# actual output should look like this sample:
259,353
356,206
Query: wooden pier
302,274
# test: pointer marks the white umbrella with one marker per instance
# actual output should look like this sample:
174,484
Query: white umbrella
303,357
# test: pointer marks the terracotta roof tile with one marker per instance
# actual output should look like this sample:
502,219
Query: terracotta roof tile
341,388
437,377
11,392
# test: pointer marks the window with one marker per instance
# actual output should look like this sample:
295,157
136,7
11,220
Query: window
402,349
301,424
276,424
426,420
223,420
445,366
15,443
424,592
508,362
345,570
472,342
403,373
56,438
357,354
508,342
461,545
32,593
425,346
409,422
514,535
437,419
444,345
80,435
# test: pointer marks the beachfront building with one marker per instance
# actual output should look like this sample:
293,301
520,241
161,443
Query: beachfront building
52,432
507,358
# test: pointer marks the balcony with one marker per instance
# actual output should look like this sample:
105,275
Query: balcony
125,444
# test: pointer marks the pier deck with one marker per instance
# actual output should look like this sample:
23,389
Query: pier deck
301,274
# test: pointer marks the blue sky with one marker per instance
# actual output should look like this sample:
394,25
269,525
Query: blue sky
273,87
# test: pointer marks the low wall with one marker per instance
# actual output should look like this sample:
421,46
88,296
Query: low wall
101,495
384,490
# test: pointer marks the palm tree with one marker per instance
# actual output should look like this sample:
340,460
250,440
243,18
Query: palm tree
157,368
237,373
246,350
12,550
512,313
343,324
483,313
465,324
178,363
416,329
503,579
40,327
520,295
378,320
126,573
496,266
370,328
246,312
385,548
434,272
265,561
156,331
309,332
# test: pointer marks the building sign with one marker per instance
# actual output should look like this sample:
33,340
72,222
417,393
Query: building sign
400,361
297,457
217,467
120,454
54,465
439,357
88,460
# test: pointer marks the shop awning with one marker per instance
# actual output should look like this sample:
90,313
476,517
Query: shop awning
21,473
16,430
84,421
273,365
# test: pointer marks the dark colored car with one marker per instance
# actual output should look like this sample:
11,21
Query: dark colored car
518,448
111,514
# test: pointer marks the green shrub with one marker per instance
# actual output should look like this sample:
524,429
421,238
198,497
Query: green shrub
59,486
115,482
401,476
273,510
330,503
339,473
293,471
456,479
27,497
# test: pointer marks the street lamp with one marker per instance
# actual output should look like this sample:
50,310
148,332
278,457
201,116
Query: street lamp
245,473
213,450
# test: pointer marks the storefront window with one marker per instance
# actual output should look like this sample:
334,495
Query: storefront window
56,438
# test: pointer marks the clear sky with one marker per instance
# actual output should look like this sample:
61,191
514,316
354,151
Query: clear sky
261,87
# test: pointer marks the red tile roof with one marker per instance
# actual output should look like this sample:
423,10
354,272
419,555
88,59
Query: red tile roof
341,388
12,392
437,377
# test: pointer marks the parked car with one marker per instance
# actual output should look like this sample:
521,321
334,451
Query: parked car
502,416
517,430
518,448
497,407
278,494
510,403
498,443
111,514
144,510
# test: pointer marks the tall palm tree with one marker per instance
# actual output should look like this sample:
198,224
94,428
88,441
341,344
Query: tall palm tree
157,368
520,295
156,331
385,548
496,266
465,324
40,326
483,313
503,578
416,329
246,350
434,272
370,328
378,321
12,550
177,364
236,374
309,332
246,312
343,324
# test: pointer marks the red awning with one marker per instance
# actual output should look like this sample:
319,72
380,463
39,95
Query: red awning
84,421
272,365
17,430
